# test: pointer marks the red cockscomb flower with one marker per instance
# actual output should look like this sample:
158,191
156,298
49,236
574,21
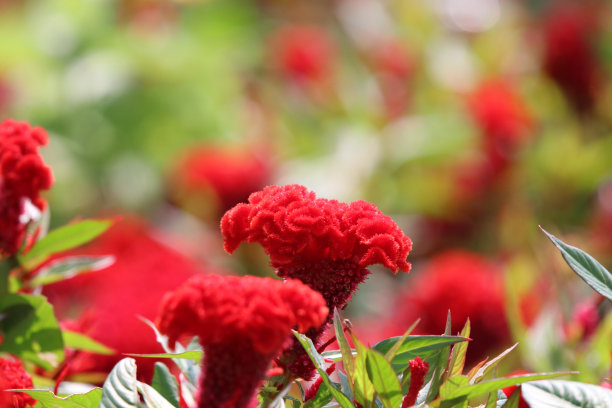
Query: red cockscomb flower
504,120
469,286
23,175
570,56
108,302
324,243
242,324
303,53
209,181
13,376
418,371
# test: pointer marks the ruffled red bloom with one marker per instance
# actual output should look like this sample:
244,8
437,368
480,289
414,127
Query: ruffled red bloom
418,371
469,286
23,175
303,53
504,120
209,180
242,324
326,244
570,56
106,304
13,376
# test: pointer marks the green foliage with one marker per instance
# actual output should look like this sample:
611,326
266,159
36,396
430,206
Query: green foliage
120,389
587,267
152,398
68,267
165,383
78,341
30,330
566,394
62,239
46,399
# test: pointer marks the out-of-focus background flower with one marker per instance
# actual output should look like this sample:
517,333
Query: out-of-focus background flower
469,122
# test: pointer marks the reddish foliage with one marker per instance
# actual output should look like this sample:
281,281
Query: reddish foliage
418,371
13,375
23,175
242,323
108,302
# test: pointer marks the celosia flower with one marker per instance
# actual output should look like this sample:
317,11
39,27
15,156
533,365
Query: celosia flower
209,180
504,120
13,376
242,324
324,243
23,175
108,302
469,286
570,56
418,371
303,53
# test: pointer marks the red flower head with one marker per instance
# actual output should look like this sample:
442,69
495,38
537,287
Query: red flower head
503,118
23,174
325,243
570,57
303,53
13,376
418,371
109,301
219,177
242,324
469,286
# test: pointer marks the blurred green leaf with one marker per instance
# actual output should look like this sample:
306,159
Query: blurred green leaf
165,383
566,394
120,388
194,355
152,398
62,239
30,330
587,267
68,267
79,341
46,399
384,379
490,365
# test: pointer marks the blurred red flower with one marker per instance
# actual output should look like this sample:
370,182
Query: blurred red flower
23,175
242,324
12,376
324,243
105,304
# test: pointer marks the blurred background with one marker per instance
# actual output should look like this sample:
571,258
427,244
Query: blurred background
469,122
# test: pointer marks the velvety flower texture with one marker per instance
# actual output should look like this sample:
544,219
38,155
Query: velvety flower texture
418,371
324,243
12,376
242,324
23,175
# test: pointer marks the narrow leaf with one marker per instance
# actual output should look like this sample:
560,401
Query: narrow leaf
566,394
458,353
363,389
384,379
591,271
63,238
347,356
46,399
392,352
165,383
152,398
120,388
79,341
68,267
488,367
194,355
513,401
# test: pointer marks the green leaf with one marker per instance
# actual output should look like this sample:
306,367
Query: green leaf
318,363
566,394
68,267
120,389
451,385
489,366
46,399
474,390
63,238
194,355
384,379
152,398
457,359
322,398
347,355
165,383
80,341
392,352
363,389
30,330
513,401
591,271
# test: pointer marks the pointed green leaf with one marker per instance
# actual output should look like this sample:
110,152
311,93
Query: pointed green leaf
68,267
514,399
79,341
120,389
152,398
392,352
63,238
566,394
30,330
416,346
319,364
194,355
165,383
46,399
384,379
489,366
347,354
363,389
591,271
458,353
